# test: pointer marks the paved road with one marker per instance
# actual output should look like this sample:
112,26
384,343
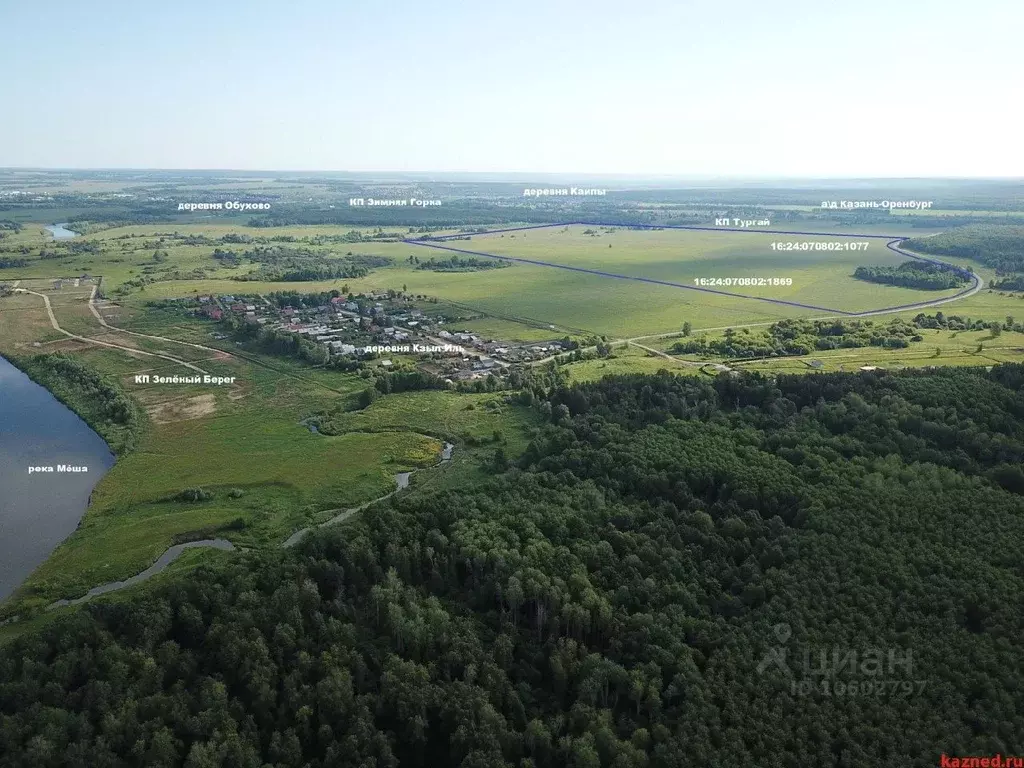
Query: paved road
893,245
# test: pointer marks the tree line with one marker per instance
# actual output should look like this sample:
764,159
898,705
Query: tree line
456,263
612,598
801,337
922,275
999,246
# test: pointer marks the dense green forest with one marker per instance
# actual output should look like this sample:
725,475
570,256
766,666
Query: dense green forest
958,323
302,300
999,246
280,264
806,571
922,275
273,341
333,270
801,337
102,403
458,263
1015,283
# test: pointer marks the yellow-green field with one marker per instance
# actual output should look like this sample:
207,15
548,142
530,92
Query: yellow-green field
627,359
248,436
819,278
940,347
524,300
251,435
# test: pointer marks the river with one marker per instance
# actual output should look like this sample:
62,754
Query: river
39,509
59,232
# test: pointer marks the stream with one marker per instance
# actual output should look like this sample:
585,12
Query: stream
173,553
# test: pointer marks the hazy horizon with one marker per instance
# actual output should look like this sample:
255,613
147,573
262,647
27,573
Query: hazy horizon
517,176
666,90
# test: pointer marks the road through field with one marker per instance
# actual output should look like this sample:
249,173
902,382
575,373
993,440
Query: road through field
218,352
132,350
892,245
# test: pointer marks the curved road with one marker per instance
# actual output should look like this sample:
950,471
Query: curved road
892,245
402,480
56,327
105,324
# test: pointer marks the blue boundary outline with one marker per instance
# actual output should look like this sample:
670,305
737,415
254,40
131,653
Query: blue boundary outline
892,245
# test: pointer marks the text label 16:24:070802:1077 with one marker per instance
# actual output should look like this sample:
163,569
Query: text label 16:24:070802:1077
813,246
708,282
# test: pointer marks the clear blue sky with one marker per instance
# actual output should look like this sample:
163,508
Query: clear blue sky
745,88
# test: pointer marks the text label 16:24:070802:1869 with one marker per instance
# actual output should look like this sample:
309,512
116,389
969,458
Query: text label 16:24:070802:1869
709,282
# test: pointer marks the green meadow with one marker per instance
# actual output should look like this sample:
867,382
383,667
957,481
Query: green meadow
534,297
939,347
819,278
626,359
253,437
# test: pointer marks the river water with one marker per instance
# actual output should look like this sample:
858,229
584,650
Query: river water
59,232
38,510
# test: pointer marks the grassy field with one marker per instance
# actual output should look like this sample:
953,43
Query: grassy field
249,436
819,278
252,436
940,347
524,300
451,416
626,359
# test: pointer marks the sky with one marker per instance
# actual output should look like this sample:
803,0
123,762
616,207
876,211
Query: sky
662,87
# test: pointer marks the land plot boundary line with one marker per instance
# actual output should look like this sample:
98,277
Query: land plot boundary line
892,245
615,275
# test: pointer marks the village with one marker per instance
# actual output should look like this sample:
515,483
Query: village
379,327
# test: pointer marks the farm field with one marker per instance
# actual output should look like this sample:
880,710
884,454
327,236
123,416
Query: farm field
524,300
249,436
253,435
819,278
570,301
